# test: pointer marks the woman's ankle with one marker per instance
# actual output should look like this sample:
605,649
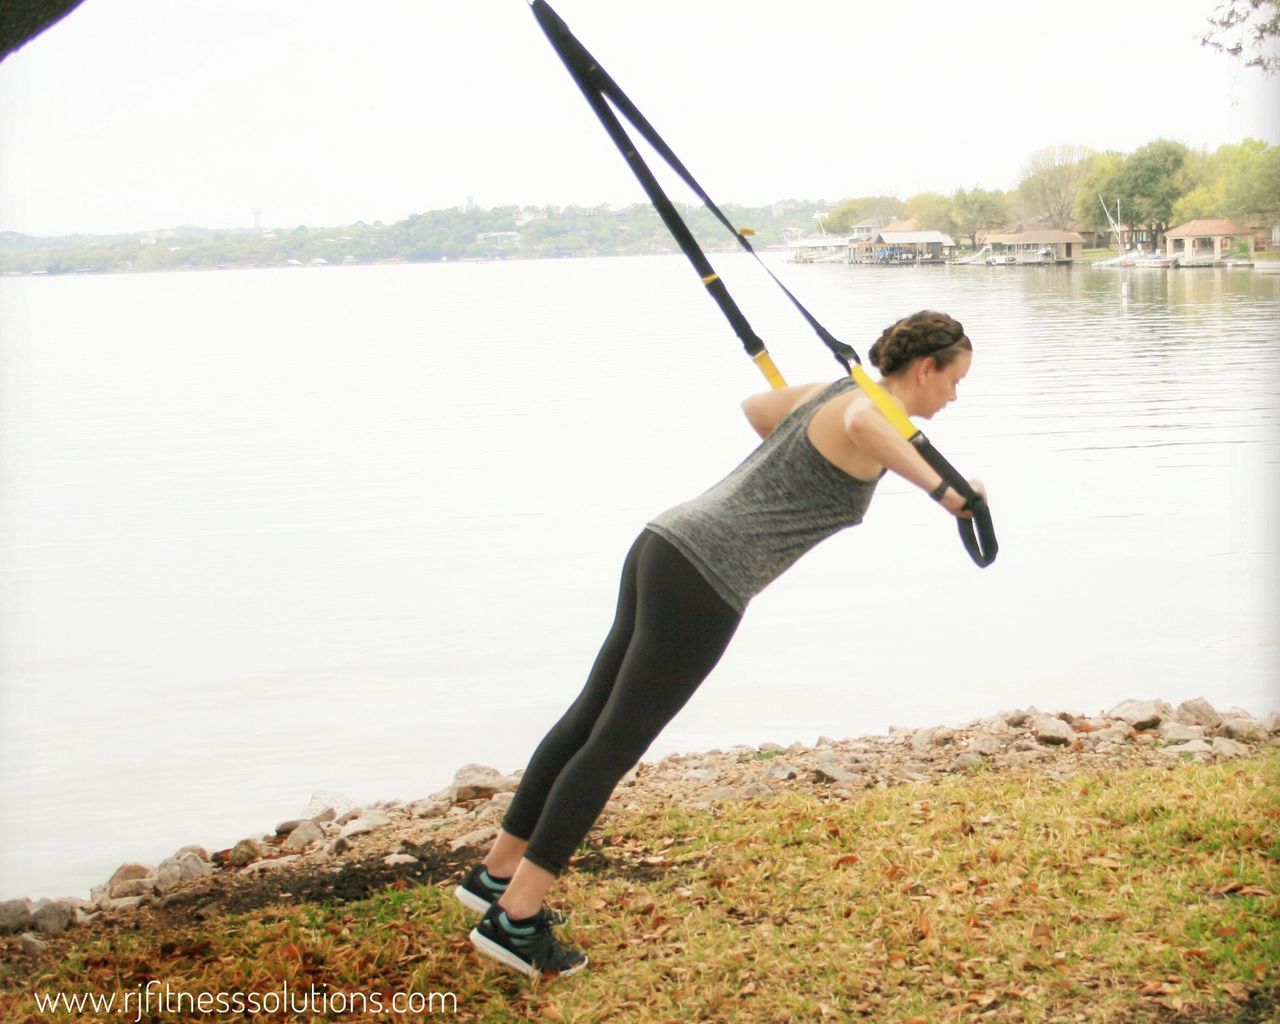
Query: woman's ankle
516,910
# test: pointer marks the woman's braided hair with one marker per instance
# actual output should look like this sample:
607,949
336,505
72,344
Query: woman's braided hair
922,334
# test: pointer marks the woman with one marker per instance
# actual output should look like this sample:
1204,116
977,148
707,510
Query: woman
685,585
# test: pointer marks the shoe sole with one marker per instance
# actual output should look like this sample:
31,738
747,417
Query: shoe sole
474,903
507,958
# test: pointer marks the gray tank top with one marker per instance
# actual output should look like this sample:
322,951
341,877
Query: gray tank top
783,500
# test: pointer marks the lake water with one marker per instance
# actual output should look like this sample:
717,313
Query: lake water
271,532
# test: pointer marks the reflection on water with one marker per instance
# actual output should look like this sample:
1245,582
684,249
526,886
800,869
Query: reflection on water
270,532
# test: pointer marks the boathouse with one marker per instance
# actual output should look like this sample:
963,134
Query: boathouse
902,247
1204,242
1046,245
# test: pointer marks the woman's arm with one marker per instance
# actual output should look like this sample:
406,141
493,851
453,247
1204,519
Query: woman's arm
767,409
876,437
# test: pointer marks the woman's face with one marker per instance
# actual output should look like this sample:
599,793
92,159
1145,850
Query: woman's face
938,384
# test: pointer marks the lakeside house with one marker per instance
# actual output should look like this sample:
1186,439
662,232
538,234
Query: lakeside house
1205,242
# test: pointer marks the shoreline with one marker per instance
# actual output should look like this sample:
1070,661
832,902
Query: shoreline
337,847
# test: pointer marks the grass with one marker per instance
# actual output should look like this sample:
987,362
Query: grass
1133,896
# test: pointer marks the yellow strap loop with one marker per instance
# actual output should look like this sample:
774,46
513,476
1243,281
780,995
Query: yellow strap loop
892,411
711,279
763,360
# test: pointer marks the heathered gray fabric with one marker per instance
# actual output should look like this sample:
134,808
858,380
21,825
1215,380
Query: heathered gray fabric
784,499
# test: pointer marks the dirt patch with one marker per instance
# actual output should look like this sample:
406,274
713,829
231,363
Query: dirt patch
345,881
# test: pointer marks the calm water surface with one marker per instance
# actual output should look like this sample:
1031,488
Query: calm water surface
269,532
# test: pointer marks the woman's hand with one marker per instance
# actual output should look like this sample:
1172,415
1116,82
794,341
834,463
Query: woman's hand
954,502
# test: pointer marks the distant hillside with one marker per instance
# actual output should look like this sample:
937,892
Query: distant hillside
456,234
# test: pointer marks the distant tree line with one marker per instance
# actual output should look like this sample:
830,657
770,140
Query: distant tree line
1160,185
1065,187
453,234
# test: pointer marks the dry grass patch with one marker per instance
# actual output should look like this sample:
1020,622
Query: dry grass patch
1134,896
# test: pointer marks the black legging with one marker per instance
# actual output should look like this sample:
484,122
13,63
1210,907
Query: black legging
670,629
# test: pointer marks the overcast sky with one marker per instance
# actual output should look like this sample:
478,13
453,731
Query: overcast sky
139,114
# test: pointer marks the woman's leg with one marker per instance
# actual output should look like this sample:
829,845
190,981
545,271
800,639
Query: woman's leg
568,735
681,627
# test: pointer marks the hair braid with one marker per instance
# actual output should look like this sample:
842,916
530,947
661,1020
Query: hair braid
926,333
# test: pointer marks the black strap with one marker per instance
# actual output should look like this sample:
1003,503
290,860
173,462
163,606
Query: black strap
978,535
601,91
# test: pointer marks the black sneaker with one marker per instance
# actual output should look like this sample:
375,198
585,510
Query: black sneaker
528,947
480,890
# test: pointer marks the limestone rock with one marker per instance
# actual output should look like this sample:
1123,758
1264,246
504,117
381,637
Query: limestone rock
132,887
267,866
1228,748
494,808
127,873
1198,712
245,852
757,791
480,837
1271,723
781,771
969,759
168,876
397,859
193,864
479,782
922,739
15,916
1052,730
831,773
431,806
51,917
1176,732
985,744
326,805
1246,730
1022,758
1199,748
368,820
124,903
1116,733
1141,714
31,945
302,836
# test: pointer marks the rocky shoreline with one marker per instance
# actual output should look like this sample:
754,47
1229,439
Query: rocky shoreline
335,848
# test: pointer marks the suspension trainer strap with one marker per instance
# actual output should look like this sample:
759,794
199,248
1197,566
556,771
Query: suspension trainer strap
604,96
